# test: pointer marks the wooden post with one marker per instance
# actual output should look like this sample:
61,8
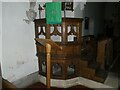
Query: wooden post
48,49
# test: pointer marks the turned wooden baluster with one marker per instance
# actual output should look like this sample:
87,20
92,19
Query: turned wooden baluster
48,50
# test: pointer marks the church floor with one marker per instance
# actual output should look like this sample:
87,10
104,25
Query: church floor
41,86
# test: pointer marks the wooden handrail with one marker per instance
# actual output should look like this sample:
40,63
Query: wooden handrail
48,43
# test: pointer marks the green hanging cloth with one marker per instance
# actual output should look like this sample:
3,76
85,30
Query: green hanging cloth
53,13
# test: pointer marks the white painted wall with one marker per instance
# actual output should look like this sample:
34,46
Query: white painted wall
19,56
0,31
0,43
95,12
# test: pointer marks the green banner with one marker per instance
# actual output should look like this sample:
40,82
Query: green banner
53,12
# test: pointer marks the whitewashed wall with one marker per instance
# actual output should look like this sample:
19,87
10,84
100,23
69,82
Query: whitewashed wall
0,32
19,56
95,12
0,43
